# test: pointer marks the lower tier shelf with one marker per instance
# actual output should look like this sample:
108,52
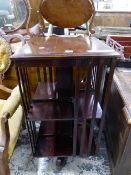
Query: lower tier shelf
55,138
54,146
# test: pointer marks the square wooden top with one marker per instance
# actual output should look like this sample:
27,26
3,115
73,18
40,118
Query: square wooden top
63,47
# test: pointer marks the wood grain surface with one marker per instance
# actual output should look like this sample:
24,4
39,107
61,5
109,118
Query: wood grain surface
66,13
64,47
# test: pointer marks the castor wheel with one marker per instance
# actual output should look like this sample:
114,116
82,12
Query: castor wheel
60,162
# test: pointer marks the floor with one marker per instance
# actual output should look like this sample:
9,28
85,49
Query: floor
23,163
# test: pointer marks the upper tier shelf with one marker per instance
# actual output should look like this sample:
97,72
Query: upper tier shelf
45,91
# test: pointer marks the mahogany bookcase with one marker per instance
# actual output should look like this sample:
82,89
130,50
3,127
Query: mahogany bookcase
61,113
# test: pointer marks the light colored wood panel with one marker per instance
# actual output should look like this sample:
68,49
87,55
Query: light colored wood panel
34,12
112,19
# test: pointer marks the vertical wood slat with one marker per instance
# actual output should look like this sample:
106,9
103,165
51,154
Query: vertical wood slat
38,74
24,88
28,97
35,133
28,84
76,109
21,90
30,136
93,77
50,74
45,74
97,93
23,104
27,91
94,73
106,100
27,101
86,101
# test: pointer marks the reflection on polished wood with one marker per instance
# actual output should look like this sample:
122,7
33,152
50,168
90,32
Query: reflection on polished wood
60,46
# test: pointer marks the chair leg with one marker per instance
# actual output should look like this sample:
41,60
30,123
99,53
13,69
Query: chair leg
23,123
4,167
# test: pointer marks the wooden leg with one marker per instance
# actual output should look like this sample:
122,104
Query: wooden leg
60,162
4,167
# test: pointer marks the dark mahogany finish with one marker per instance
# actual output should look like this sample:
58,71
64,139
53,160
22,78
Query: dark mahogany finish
60,109
118,123
45,91
51,110
67,122
60,48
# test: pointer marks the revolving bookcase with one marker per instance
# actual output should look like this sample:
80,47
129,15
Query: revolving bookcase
61,114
